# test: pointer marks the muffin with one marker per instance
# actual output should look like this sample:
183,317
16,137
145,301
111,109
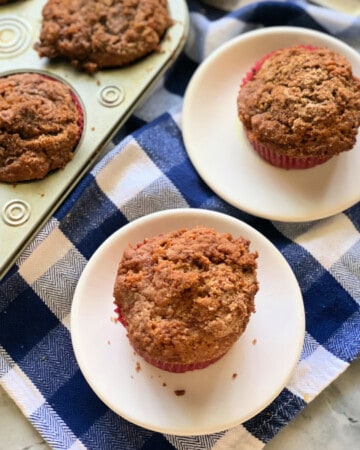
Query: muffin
185,297
300,106
40,123
96,34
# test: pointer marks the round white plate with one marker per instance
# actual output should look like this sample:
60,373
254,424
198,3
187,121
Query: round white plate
219,151
223,395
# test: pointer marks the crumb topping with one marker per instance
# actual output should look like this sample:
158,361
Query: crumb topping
179,392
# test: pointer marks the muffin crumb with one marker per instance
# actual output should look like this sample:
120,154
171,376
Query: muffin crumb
179,392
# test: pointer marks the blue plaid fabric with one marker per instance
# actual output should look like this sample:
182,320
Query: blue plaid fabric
37,365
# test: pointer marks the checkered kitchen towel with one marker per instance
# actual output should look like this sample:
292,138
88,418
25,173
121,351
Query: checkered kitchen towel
148,170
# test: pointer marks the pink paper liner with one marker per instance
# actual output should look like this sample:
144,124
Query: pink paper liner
287,162
176,367
120,317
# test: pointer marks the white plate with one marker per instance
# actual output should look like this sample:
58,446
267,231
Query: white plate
348,7
224,159
263,358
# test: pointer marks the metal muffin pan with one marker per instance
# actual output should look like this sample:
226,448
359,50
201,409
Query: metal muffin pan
108,97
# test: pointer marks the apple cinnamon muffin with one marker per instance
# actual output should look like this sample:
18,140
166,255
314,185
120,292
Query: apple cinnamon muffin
40,126
95,34
300,106
185,297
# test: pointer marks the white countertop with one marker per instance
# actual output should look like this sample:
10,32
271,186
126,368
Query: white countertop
330,422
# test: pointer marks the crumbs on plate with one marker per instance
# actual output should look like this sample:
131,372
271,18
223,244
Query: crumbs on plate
179,392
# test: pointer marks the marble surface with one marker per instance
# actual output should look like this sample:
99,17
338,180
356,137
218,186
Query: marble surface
330,422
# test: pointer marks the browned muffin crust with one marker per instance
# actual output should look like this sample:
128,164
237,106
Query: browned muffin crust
39,126
186,296
96,34
302,103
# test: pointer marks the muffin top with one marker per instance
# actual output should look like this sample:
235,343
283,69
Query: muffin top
95,34
39,126
186,296
302,101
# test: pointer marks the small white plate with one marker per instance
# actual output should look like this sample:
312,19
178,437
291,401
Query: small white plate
223,395
348,7
219,151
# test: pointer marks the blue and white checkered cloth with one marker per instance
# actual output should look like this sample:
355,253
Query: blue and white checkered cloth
148,170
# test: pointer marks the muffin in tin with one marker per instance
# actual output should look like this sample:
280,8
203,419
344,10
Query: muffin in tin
41,123
99,34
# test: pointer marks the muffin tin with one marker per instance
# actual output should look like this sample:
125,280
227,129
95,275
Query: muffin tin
107,97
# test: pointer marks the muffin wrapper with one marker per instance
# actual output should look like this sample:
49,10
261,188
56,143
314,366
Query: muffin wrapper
120,317
285,161
177,367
